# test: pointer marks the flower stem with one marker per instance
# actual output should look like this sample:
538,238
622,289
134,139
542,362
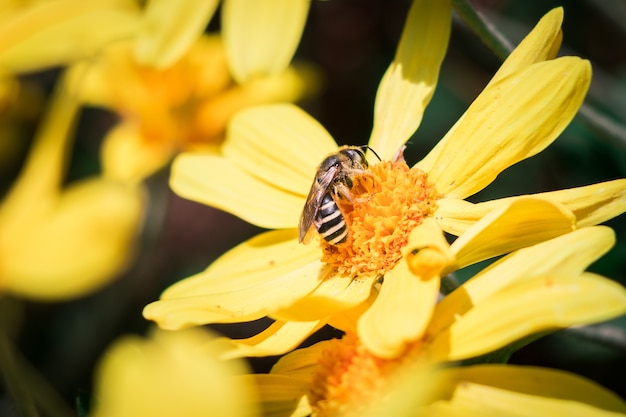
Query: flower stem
485,30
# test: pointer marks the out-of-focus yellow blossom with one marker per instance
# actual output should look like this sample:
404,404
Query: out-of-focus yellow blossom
59,242
163,62
175,89
171,374
539,288
182,107
269,161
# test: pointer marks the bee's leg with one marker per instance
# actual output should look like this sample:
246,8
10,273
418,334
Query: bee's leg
342,191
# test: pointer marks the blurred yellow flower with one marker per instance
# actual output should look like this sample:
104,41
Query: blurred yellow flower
396,241
182,107
171,374
61,242
535,289
172,86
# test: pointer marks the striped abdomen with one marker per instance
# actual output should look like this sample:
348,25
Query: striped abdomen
332,226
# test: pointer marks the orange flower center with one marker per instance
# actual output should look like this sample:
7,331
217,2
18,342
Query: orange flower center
175,105
348,378
385,208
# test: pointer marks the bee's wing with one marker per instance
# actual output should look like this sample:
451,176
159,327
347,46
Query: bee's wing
320,185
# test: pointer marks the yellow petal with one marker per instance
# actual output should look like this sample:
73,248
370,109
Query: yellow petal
270,253
235,306
534,305
333,295
591,204
169,28
529,386
281,144
58,32
408,293
541,44
280,337
408,85
262,36
77,246
399,314
282,396
218,182
521,223
129,157
510,120
272,264
40,180
171,373
570,253
529,392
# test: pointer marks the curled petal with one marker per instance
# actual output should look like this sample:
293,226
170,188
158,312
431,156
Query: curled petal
531,306
510,120
521,223
169,28
262,36
570,253
591,204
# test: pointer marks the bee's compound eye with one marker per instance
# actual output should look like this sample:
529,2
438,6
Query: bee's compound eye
356,155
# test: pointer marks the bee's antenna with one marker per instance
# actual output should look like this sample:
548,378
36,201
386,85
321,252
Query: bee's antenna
373,151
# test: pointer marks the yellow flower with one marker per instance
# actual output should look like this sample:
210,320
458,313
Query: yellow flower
154,68
62,242
396,244
170,374
535,289
181,107
176,89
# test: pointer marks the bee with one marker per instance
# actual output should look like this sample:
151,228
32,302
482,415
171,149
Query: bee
333,181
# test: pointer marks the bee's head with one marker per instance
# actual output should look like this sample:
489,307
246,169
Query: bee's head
356,155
